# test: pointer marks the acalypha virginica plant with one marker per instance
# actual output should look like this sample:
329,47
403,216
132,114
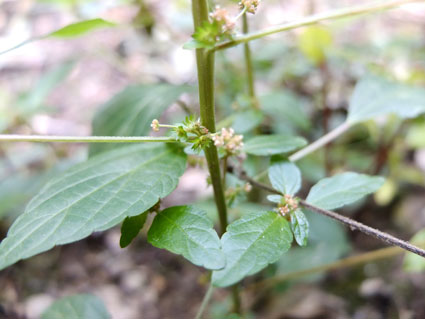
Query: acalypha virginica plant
124,184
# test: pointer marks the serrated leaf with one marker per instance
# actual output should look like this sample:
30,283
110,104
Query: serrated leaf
267,145
413,262
80,28
130,112
343,189
94,196
187,231
285,176
250,244
83,306
300,227
275,198
374,96
131,227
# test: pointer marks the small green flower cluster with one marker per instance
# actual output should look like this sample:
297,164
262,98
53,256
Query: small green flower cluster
191,131
287,205
250,5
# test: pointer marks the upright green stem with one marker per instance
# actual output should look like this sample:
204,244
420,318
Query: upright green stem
248,64
205,64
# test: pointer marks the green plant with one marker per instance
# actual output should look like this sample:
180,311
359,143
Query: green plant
126,184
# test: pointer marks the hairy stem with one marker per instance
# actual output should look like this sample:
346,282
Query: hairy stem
85,139
205,65
248,65
325,139
335,14
354,225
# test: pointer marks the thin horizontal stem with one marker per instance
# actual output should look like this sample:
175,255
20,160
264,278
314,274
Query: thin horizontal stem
325,139
354,225
343,263
335,14
85,139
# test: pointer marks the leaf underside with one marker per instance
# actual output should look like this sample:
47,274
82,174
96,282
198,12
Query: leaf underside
93,196
343,189
285,176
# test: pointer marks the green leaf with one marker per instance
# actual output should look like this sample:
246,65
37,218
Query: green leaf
313,43
69,31
275,198
267,145
31,101
130,112
187,231
374,96
285,109
285,176
131,227
94,196
80,28
300,227
413,262
343,189
250,244
327,243
83,306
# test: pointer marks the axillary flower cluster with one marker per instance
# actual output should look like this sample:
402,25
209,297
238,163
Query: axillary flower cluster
287,205
191,131
250,5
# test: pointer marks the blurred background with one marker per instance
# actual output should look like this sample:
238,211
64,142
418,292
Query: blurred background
304,79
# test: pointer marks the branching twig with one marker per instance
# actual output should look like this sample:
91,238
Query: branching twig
354,225
335,14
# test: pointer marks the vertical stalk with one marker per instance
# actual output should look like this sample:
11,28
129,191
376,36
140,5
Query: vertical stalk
248,64
205,65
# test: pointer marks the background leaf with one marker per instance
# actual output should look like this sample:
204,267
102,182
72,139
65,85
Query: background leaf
267,145
94,196
131,227
250,244
80,28
187,231
130,112
82,306
285,176
300,227
313,42
374,96
343,189
413,262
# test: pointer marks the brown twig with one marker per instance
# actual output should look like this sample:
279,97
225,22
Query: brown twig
354,225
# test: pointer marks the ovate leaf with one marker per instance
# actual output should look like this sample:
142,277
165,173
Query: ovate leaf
285,176
130,112
300,227
275,198
374,96
82,306
267,145
250,244
131,227
187,231
94,196
343,189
